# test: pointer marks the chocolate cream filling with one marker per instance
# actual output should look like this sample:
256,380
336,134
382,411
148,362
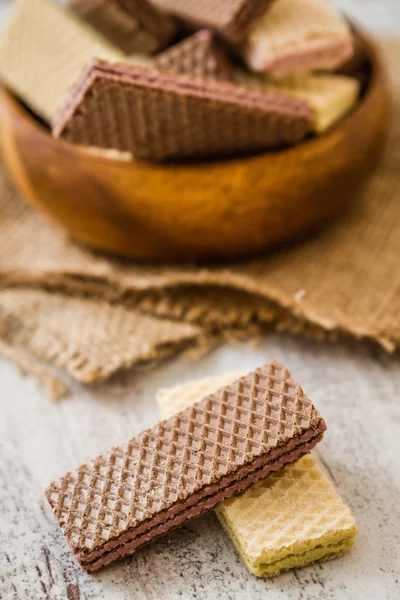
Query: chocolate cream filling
204,500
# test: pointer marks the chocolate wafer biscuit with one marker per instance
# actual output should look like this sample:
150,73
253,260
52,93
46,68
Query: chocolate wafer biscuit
185,465
231,18
298,36
44,50
162,115
289,520
131,25
199,55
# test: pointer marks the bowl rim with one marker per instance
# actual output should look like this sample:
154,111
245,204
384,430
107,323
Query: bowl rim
21,112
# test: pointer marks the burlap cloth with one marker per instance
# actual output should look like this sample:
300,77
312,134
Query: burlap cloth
64,307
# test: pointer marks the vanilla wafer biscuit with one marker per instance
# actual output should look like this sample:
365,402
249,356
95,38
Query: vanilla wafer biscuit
131,25
289,520
163,115
298,36
185,465
329,96
44,50
231,18
199,55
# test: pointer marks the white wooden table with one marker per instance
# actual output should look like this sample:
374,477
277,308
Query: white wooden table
356,389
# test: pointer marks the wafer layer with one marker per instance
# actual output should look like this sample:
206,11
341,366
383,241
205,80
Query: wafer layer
131,25
297,36
329,96
44,50
232,18
291,519
161,115
199,55
184,466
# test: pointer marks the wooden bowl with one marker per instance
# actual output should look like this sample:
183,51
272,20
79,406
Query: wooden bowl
208,210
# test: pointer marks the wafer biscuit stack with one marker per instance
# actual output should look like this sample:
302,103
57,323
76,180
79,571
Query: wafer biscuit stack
298,36
133,26
44,50
289,520
185,465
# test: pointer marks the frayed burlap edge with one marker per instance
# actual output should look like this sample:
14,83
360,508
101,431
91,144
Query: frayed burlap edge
55,388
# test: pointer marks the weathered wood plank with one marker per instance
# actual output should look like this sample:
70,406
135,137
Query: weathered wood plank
356,390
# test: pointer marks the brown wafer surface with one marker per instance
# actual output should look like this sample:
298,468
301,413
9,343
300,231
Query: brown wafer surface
297,37
163,115
199,55
232,18
185,465
131,25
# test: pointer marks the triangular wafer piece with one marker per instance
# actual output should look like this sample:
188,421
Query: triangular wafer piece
199,55
44,50
231,18
131,25
185,465
162,115
297,36
289,520
330,96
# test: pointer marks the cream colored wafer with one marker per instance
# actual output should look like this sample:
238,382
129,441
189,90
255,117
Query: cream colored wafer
289,520
330,96
174,400
298,36
44,50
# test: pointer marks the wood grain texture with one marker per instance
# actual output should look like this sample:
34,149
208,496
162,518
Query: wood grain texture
214,209
356,392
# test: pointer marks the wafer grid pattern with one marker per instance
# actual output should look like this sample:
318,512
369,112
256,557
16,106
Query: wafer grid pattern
170,116
180,457
198,55
174,400
292,511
